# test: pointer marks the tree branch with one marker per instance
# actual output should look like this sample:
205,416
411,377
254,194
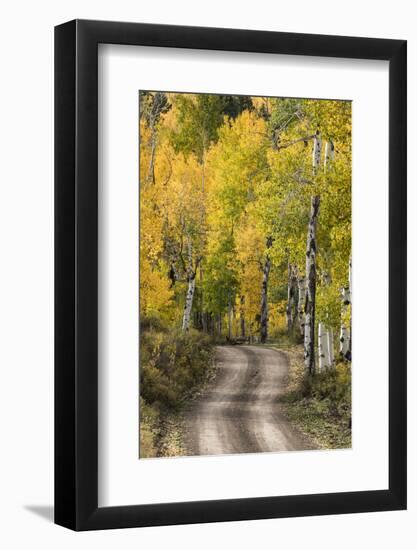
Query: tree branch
290,143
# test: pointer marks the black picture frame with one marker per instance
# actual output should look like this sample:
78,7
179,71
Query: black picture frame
76,272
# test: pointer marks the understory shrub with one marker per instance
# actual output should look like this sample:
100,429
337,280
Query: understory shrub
172,363
320,405
331,388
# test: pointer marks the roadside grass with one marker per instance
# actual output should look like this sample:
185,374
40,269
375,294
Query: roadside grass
160,433
175,366
320,406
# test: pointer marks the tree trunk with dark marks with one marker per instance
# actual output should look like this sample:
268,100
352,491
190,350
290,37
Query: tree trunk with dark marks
264,296
189,298
345,338
188,301
322,345
325,345
151,107
350,296
202,312
310,298
328,154
151,170
325,336
316,151
301,304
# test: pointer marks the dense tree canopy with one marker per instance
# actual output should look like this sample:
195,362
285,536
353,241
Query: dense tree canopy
225,194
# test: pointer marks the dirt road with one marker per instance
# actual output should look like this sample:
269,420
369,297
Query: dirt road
240,412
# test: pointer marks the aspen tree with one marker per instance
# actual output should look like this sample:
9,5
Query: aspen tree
189,298
301,282
264,292
311,281
345,331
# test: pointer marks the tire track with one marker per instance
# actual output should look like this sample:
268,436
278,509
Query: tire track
240,412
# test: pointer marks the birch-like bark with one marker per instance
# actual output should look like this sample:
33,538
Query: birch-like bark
325,337
344,342
191,274
264,300
323,347
345,349
316,151
288,310
311,276
326,334
188,301
152,121
350,279
264,294
301,303
151,170
346,296
203,314
330,347
328,154
350,305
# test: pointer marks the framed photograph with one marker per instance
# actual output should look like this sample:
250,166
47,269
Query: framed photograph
230,284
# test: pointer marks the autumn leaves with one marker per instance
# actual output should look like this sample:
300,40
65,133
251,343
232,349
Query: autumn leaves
228,194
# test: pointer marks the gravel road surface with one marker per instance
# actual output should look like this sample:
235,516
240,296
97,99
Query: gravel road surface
240,411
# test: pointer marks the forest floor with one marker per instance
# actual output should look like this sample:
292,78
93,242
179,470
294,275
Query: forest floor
169,430
240,411
322,411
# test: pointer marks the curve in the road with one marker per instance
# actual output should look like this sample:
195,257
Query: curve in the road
240,411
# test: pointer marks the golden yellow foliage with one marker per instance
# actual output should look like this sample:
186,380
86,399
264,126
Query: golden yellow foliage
207,211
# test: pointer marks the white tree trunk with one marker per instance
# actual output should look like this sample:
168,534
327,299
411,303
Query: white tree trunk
316,151
344,342
264,293
350,305
325,337
345,347
310,298
325,344
328,154
301,303
322,344
350,280
330,347
264,300
191,275
188,302
346,296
